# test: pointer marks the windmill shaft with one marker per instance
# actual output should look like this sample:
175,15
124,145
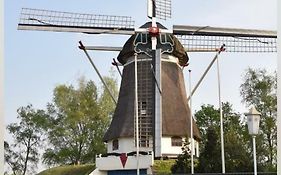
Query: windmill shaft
158,104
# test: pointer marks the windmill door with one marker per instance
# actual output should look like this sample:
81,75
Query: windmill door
127,172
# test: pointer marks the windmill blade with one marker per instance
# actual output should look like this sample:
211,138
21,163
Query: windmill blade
163,9
208,39
48,20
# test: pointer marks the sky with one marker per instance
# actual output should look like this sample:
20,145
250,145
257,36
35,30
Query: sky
36,62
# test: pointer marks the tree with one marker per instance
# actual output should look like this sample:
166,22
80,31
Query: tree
182,164
10,158
78,119
259,89
237,156
209,160
207,116
22,155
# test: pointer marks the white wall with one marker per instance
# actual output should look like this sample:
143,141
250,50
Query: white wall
127,145
167,147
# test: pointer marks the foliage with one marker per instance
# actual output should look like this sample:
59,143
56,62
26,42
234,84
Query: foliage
78,119
11,158
207,116
236,141
237,156
163,166
22,155
259,89
182,164
69,170
209,160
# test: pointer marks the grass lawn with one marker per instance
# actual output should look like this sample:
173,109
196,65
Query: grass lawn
69,170
160,167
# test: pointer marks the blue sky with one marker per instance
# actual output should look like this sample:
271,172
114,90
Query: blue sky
35,62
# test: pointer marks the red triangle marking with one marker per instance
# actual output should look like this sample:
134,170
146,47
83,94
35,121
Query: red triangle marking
123,158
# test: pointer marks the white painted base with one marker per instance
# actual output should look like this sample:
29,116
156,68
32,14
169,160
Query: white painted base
114,163
126,145
98,172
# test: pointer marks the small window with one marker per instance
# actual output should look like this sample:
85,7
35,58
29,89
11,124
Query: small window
176,141
115,145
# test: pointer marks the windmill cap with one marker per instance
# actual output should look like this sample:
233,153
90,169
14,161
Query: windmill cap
128,48
253,111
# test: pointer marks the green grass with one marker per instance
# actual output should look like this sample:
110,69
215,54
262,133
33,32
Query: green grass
69,170
163,166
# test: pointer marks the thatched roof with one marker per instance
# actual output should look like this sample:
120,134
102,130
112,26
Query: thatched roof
175,109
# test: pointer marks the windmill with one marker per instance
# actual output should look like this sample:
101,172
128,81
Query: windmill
148,38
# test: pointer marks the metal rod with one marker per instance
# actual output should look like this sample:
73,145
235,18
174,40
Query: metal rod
278,117
119,71
97,71
221,119
136,112
191,125
103,48
254,153
200,50
206,71
114,63
156,82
